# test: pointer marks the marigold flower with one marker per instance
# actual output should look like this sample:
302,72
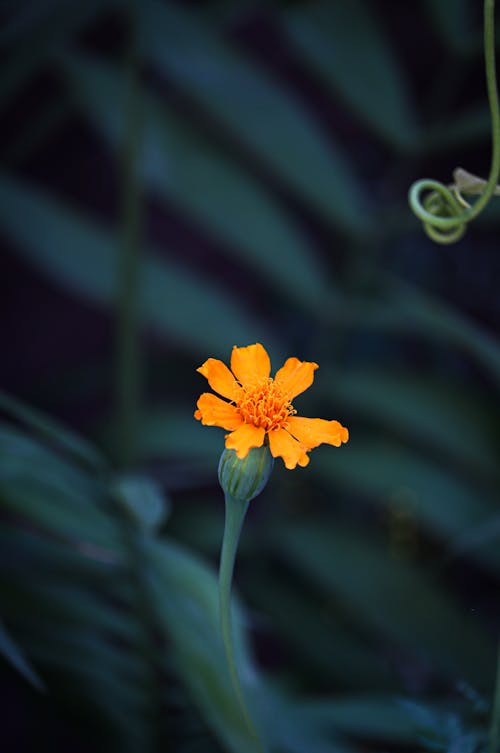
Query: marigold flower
260,407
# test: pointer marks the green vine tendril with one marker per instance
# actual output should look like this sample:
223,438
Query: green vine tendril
444,211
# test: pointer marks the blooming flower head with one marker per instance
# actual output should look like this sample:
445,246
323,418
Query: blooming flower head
258,408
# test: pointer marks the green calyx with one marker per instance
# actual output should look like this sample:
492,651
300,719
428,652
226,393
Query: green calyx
244,479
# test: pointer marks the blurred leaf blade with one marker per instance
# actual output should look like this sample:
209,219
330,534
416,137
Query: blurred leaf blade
50,492
263,115
347,47
193,605
394,476
13,654
47,427
327,648
50,32
398,598
451,19
405,307
186,169
171,432
371,716
213,322
433,412
143,500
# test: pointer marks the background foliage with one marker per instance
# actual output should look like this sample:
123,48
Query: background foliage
243,168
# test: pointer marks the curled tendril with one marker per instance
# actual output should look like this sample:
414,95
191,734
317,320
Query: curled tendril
443,210
441,213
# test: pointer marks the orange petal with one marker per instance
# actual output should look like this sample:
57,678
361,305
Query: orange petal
285,446
295,376
244,438
250,363
219,378
212,411
315,431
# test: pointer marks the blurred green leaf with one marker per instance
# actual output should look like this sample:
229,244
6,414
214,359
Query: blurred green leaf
52,430
326,646
84,563
204,535
406,308
348,48
13,654
431,316
73,620
82,257
451,19
475,540
170,431
144,501
57,598
442,729
42,21
39,486
25,459
57,513
39,42
437,414
263,115
292,729
113,701
396,598
85,649
468,128
190,615
184,168
369,716
86,616
395,477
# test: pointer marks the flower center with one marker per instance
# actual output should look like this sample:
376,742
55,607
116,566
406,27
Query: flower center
265,405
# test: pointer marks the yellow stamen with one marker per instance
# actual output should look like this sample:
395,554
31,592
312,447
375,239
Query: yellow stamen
265,405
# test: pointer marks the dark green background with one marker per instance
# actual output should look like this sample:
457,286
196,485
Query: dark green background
251,162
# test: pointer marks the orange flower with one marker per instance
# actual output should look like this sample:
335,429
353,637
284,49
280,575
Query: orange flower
260,408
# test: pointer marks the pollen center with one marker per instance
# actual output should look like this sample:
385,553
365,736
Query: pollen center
265,405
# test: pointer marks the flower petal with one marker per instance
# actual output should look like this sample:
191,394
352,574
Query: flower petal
315,431
250,363
244,438
212,411
295,376
219,378
285,446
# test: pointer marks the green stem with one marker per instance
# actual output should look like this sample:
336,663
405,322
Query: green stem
235,515
127,319
454,226
494,746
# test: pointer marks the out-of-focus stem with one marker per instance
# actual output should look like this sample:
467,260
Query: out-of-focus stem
127,378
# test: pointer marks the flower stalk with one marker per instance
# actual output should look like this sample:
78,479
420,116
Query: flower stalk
241,480
236,510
